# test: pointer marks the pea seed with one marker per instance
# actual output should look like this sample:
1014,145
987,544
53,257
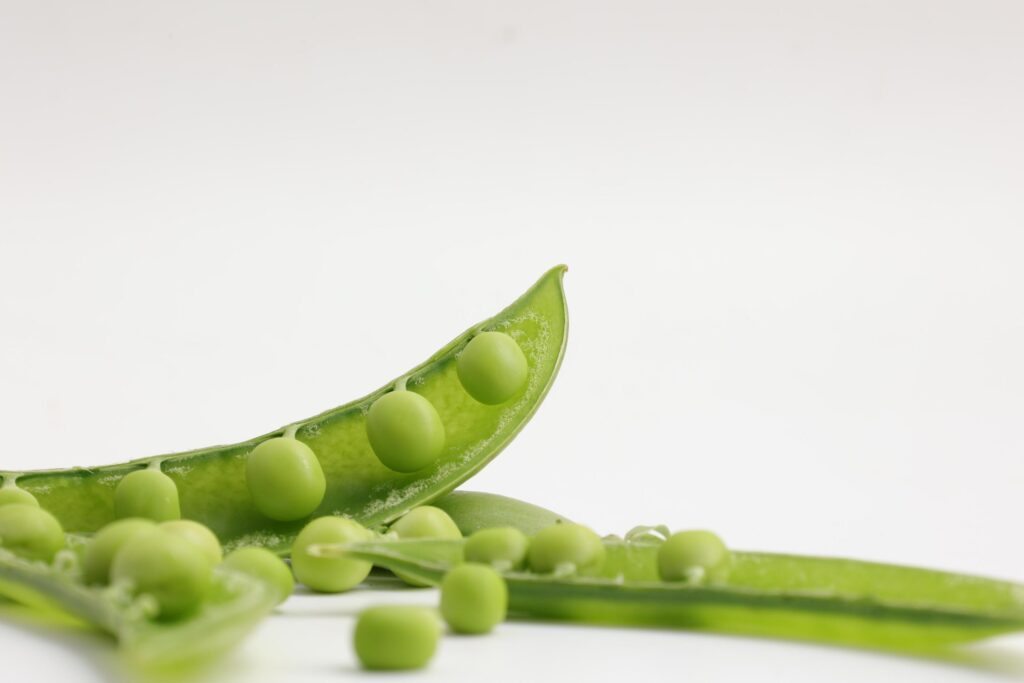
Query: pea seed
565,544
199,536
393,637
492,368
11,494
424,522
405,431
264,565
503,547
474,598
693,556
329,574
147,493
30,532
285,479
100,551
169,568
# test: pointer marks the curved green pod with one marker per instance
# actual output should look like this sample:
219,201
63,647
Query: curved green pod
831,600
211,482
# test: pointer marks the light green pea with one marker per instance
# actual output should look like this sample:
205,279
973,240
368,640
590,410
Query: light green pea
100,550
198,535
405,431
329,574
264,565
167,567
424,522
285,479
396,637
563,545
13,495
693,556
492,368
147,493
30,532
474,598
502,547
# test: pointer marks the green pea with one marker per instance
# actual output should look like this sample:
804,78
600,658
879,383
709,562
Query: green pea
560,545
30,532
329,574
693,556
424,522
492,368
405,431
264,565
12,494
285,479
396,637
502,547
147,493
198,535
474,598
100,550
169,568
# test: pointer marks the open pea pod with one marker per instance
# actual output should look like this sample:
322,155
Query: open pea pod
841,601
211,482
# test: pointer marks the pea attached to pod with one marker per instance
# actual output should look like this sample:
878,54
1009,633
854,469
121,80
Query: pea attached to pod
405,431
30,532
285,479
694,556
147,493
503,548
569,545
492,368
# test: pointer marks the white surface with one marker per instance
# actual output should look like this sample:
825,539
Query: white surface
794,233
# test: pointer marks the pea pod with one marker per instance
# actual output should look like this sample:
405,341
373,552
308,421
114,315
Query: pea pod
786,596
211,482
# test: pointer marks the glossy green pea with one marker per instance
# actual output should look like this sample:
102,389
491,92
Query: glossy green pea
424,522
30,532
693,556
492,368
198,535
474,598
503,548
12,495
264,565
396,637
147,493
285,479
563,545
405,431
100,550
329,574
169,568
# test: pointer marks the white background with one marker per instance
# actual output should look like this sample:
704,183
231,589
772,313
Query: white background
794,230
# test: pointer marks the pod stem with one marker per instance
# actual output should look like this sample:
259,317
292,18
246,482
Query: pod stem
290,430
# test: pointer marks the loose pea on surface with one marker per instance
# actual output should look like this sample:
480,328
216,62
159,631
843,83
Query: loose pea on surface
565,544
501,547
100,550
329,574
264,565
396,637
169,568
10,495
30,532
405,431
147,493
492,368
693,556
198,535
474,598
285,479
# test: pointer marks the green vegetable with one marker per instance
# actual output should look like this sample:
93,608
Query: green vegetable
405,431
199,536
264,565
393,637
424,522
474,598
502,547
148,493
212,485
30,532
172,570
474,510
492,368
329,575
285,479
693,556
100,550
12,494
565,547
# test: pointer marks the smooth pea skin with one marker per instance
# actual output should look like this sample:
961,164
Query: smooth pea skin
264,565
329,574
425,521
396,637
503,548
560,545
492,368
199,536
474,598
693,556
30,532
285,479
100,550
169,568
405,431
11,495
149,494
